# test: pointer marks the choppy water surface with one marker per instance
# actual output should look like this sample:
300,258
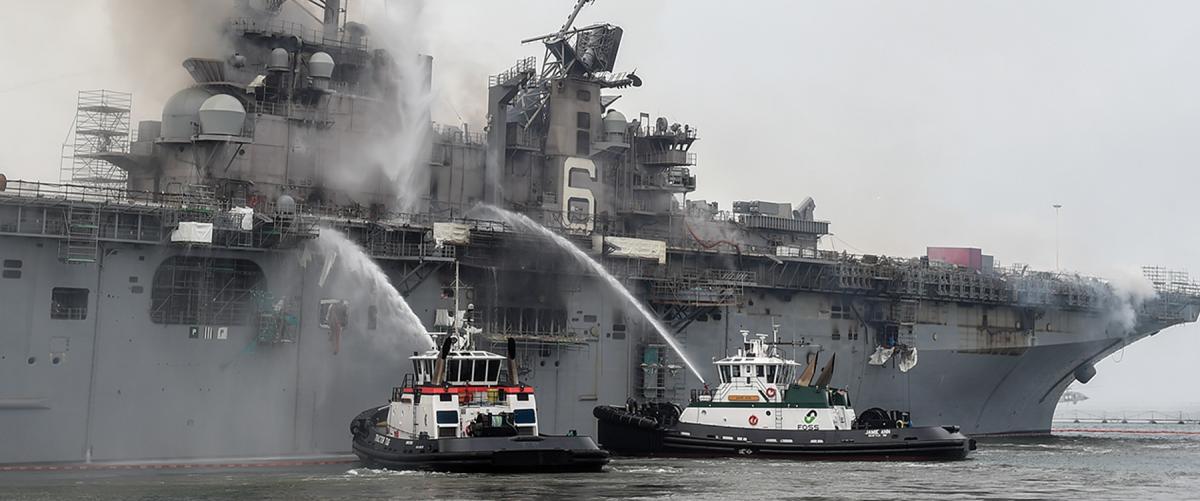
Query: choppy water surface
1139,462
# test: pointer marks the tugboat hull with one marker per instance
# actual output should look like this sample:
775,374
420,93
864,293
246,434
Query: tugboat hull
626,433
519,454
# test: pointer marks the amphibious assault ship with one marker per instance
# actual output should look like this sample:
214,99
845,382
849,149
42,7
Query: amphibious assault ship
168,299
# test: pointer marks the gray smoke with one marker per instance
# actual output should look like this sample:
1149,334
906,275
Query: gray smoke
152,38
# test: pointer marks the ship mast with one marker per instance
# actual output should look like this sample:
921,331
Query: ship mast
456,326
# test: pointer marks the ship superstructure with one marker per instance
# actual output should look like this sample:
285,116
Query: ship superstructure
141,303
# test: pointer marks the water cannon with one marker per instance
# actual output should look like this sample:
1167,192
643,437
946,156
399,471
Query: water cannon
439,366
826,373
810,369
513,378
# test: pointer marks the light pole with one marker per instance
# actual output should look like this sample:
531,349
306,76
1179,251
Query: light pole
1057,209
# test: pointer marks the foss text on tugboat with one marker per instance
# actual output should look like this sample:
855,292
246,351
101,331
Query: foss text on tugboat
759,408
452,414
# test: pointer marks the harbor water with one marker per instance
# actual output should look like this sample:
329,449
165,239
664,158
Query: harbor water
1120,462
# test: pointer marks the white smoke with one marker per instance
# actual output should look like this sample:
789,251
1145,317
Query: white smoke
1130,290
403,149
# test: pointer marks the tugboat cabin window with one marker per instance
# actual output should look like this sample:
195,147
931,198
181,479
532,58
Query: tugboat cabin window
724,373
68,304
447,417
206,291
771,374
424,370
525,416
737,371
759,371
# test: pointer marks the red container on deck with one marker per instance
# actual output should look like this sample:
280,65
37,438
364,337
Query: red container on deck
967,257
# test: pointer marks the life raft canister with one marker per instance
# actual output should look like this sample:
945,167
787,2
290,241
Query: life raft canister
753,420
771,392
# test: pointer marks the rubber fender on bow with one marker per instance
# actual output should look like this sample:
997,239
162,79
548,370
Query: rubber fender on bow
609,413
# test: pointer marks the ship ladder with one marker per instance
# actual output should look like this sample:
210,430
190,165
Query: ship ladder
779,418
83,235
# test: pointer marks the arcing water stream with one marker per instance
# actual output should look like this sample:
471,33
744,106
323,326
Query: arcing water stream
524,223
341,251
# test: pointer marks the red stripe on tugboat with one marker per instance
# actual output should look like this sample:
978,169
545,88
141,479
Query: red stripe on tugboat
433,390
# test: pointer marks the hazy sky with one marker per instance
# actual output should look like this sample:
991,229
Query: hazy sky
910,123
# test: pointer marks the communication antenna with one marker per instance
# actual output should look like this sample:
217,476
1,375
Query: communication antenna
1057,209
589,53
462,336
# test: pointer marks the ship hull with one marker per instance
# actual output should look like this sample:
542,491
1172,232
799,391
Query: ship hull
519,454
81,377
627,434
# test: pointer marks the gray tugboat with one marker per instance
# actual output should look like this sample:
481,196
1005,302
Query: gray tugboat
452,414
759,408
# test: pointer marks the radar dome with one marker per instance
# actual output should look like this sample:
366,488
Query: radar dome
615,125
278,60
320,65
223,115
285,204
182,112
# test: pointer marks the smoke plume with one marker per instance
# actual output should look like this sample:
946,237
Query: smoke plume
1128,292
153,37
403,150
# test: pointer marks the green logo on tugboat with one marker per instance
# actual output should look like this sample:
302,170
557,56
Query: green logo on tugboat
810,417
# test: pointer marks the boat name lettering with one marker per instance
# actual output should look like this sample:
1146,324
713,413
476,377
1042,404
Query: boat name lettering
743,398
387,442
878,433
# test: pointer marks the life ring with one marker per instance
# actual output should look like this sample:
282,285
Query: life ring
753,420
771,392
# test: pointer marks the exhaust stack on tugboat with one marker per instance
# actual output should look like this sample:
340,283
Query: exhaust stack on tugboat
453,414
761,407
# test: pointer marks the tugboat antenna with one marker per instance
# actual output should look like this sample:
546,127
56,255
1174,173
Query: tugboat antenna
457,327
457,320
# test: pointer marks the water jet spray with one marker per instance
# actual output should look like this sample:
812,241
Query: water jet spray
526,224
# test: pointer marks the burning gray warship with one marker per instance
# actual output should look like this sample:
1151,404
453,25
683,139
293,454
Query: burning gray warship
210,285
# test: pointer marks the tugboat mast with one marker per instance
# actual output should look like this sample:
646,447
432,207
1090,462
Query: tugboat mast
458,328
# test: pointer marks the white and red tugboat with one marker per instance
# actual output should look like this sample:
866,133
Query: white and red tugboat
452,414
761,408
